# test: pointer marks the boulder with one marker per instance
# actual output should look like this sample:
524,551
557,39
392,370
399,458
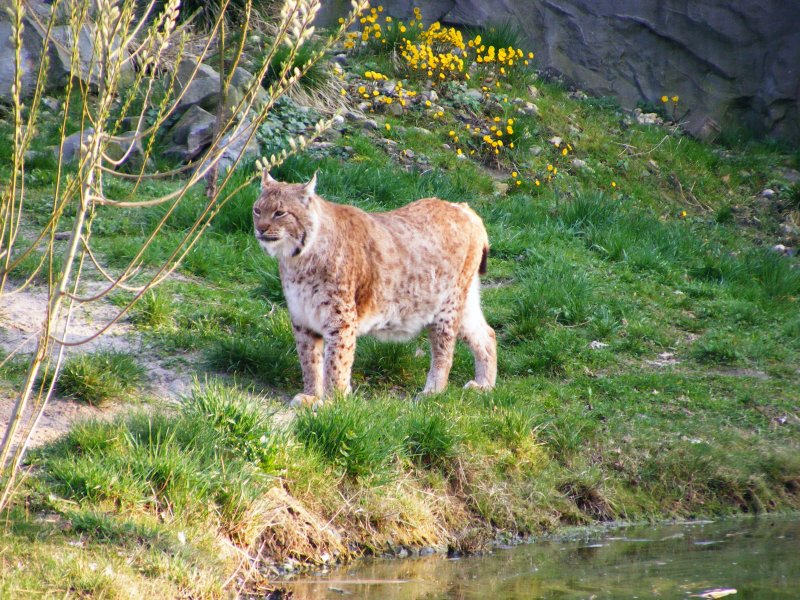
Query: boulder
239,142
125,147
71,147
192,133
60,55
200,85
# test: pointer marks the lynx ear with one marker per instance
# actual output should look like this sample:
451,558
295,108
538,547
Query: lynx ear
266,178
311,186
309,189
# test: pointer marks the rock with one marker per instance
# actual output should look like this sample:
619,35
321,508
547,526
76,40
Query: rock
395,109
790,175
60,55
500,187
595,345
704,128
768,194
370,124
783,250
533,91
125,147
474,94
340,58
200,87
71,147
420,130
237,144
242,80
646,118
536,150
192,133
529,108
581,164
52,104
88,70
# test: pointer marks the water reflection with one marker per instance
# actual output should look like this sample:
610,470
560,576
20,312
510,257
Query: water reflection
758,558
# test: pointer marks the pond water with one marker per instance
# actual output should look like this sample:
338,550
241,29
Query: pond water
759,558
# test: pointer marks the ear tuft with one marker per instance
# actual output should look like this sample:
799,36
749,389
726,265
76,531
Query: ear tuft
266,178
311,186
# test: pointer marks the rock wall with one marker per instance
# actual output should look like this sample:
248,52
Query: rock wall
735,63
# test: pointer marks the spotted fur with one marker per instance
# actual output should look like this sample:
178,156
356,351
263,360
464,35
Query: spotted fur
347,273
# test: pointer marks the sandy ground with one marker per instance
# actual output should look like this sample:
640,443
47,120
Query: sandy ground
21,317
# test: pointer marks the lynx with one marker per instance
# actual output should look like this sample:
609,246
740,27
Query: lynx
347,273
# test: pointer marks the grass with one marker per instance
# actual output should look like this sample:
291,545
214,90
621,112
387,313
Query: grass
648,343
99,378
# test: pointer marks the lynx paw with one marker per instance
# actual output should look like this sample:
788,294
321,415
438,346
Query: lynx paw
478,387
307,400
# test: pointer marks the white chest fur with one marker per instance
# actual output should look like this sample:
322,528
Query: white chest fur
304,307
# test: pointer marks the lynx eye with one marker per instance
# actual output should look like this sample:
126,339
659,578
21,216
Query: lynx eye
256,211
278,214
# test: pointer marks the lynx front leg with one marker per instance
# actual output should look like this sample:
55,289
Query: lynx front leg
340,351
309,348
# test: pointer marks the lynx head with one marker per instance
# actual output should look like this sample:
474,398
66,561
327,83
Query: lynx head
285,216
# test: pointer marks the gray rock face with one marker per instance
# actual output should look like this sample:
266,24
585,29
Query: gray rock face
60,51
734,63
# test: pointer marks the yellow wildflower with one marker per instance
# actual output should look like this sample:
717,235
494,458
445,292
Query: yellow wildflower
664,99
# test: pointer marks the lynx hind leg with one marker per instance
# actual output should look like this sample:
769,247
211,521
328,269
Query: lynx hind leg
480,338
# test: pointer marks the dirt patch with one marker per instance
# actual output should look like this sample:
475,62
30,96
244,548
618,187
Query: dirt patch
21,317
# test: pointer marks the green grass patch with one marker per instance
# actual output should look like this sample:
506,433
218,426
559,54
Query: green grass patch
101,377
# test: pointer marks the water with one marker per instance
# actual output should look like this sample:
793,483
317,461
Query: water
760,559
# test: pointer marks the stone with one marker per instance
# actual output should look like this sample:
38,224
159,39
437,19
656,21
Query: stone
200,87
192,133
580,164
237,145
529,108
768,194
125,147
370,124
88,70
394,109
52,104
475,94
71,147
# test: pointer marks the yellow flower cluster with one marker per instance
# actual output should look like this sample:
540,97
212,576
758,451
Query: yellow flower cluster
374,75
426,58
437,53
372,29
